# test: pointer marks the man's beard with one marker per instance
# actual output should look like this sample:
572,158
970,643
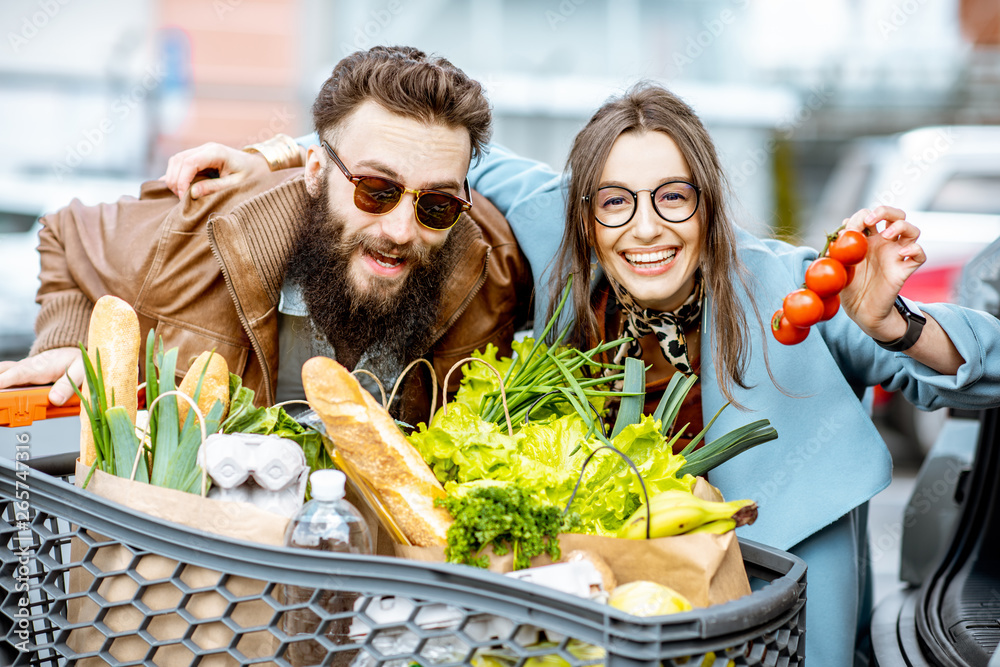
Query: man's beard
391,326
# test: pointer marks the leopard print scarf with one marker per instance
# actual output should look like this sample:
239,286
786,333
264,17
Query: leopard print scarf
668,326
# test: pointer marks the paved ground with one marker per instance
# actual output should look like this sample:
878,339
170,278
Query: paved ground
885,521
885,513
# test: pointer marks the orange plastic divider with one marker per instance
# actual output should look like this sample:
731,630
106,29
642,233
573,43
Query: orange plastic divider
21,406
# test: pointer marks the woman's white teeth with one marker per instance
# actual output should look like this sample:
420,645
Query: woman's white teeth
650,257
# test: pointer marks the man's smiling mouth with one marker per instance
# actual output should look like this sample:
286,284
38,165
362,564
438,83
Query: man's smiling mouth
389,261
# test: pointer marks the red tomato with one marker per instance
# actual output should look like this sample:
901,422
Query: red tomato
803,307
830,307
826,277
785,332
850,248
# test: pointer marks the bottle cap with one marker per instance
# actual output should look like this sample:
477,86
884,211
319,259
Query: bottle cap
327,484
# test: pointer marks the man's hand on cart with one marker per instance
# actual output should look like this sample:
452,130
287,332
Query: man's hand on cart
49,367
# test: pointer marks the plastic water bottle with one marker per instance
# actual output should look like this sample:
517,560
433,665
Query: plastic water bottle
325,523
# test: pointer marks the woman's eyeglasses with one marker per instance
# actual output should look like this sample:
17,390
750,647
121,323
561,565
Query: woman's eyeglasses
378,195
674,201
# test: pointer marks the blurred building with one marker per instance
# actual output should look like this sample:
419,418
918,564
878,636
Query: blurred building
115,86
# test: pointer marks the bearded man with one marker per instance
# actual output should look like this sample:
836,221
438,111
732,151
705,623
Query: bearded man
376,253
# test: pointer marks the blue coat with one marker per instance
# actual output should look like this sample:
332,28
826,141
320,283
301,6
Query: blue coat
812,483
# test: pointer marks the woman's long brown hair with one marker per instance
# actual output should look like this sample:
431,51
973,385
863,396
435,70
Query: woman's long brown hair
647,107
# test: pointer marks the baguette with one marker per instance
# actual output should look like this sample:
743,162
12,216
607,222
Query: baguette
214,388
114,330
368,438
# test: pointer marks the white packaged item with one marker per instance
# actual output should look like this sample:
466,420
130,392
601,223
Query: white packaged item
266,470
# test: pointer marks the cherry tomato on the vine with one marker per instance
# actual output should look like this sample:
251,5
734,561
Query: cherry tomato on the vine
831,305
826,276
785,332
819,299
849,248
803,307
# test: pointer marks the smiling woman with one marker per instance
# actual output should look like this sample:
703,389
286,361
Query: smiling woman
658,255
645,194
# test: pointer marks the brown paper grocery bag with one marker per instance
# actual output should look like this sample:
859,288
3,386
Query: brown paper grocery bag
231,519
707,569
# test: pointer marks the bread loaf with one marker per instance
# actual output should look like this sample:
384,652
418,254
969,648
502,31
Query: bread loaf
214,388
368,438
114,330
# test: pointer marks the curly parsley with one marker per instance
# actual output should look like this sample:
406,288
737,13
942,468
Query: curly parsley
507,517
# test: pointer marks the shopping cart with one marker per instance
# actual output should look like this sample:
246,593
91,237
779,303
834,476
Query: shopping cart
440,614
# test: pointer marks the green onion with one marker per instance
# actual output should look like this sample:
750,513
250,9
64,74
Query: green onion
726,447
126,445
550,373
95,408
699,461
168,432
673,397
630,408
152,386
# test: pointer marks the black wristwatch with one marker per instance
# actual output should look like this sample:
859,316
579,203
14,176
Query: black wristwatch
915,322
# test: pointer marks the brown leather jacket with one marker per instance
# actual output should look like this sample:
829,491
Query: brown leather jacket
207,274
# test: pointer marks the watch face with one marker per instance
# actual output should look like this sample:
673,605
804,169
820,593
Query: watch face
909,310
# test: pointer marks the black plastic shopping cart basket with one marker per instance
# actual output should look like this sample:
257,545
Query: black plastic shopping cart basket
53,538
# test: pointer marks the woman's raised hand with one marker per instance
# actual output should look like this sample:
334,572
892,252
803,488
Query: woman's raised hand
233,165
893,255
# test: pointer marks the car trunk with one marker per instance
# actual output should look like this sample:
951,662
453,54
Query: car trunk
959,606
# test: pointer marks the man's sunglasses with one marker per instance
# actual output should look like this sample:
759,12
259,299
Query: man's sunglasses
377,195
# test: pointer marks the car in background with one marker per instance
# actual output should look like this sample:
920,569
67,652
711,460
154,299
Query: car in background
949,612
947,180
23,199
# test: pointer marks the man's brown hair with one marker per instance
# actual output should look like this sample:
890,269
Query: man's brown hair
406,81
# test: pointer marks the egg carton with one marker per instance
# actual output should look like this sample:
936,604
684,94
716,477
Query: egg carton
578,578
389,611
267,471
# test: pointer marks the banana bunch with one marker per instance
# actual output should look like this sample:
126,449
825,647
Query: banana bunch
676,512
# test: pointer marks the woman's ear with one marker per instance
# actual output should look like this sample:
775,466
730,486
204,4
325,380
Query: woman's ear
313,171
